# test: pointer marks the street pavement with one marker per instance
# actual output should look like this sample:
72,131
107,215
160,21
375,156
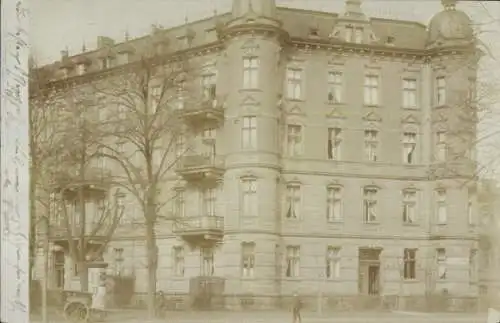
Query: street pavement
135,316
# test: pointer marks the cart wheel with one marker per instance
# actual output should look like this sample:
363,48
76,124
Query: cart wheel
76,312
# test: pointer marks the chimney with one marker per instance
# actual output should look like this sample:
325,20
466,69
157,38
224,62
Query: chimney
103,41
353,8
64,54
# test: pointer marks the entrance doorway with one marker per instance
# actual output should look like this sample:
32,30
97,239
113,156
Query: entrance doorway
59,266
369,271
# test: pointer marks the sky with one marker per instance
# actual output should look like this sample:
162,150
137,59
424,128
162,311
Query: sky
66,24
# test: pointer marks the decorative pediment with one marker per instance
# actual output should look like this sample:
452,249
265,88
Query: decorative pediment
248,176
333,184
249,100
294,181
372,117
410,119
440,117
410,188
335,113
250,47
372,186
295,109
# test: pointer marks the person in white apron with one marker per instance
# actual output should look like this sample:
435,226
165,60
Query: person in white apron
99,297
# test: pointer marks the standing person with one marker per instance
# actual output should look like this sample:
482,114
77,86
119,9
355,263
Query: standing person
296,307
99,298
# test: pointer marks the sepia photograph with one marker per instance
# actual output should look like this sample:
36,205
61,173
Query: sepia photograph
302,161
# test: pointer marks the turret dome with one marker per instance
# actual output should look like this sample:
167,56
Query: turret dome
449,27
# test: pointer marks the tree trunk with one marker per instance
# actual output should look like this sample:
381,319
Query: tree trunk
152,254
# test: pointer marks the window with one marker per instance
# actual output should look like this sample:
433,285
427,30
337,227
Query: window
335,87
101,159
441,206
349,30
178,261
473,265
293,201
294,83
247,259
371,89
334,141
123,58
209,201
470,207
180,145
441,263
471,91
370,205
294,140
250,73
334,204
249,197
358,35
155,98
409,147
410,93
81,69
249,132
209,134
209,83
179,204
409,206
292,261
207,262
104,63
440,90
371,145
441,146
122,112
410,264
332,262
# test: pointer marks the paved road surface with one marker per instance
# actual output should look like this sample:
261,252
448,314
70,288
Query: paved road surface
128,316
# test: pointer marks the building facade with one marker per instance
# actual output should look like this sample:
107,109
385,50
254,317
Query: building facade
335,159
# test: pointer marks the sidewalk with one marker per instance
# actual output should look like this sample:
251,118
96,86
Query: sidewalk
139,316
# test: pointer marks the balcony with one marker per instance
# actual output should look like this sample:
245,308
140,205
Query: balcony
200,230
58,233
95,181
200,167
205,113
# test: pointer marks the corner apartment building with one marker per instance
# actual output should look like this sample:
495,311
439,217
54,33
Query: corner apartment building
333,165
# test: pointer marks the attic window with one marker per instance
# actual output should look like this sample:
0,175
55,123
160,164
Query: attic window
314,32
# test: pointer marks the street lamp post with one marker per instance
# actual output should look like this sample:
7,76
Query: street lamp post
45,281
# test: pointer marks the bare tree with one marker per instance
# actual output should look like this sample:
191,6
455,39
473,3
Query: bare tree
67,173
41,114
80,180
144,137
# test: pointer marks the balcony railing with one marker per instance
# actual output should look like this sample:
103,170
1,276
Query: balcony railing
201,160
202,111
94,178
200,167
199,225
57,231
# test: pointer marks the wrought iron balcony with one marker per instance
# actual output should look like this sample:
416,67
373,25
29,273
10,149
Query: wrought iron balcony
200,167
58,232
200,230
206,112
95,179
